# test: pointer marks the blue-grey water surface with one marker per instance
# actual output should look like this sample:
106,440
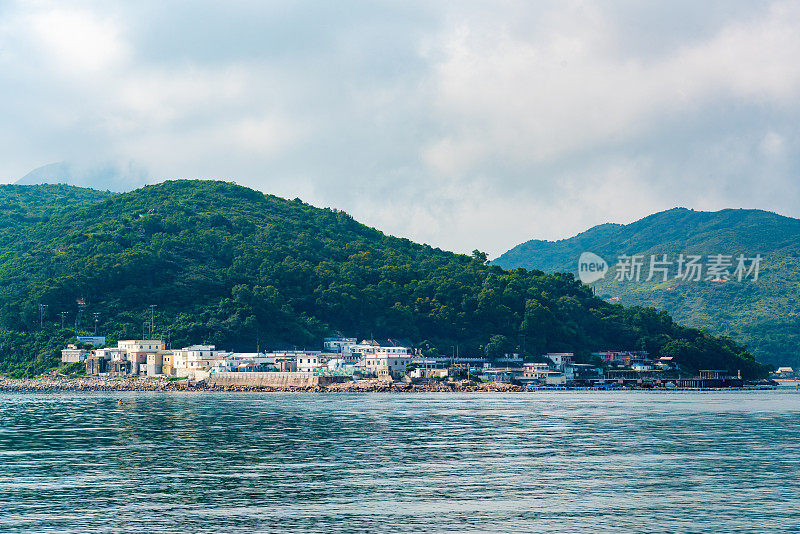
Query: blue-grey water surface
533,462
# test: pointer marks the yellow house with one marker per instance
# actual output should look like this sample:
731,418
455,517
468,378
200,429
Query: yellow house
167,366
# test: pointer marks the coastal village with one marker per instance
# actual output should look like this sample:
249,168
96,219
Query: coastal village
345,359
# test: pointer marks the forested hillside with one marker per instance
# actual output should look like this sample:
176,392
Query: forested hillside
764,314
22,207
228,265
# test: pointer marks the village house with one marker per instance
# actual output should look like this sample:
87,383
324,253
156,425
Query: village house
310,361
111,353
338,344
155,363
137,350
624,358
388,362
187,361
284,362
72,354
582,372
541,373
560,359
784,372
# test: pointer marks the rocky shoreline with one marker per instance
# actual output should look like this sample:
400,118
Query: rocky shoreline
60,383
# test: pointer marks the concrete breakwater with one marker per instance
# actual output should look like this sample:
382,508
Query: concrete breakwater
275,380
56,384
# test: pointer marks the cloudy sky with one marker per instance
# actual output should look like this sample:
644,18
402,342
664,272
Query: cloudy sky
460,124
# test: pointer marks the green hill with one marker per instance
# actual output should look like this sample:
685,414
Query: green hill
23,207
763,314
228,265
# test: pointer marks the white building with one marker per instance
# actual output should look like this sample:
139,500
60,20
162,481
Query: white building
372,346
136,351
141,345
72,354
542,373
388,362
112,353
338,344
155,363
188,360
560,359
239,362
310,361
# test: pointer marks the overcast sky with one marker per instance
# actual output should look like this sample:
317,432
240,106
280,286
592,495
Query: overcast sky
460,124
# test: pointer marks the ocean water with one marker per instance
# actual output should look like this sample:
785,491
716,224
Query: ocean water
536,462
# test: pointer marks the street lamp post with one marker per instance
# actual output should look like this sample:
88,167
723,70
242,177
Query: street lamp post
152,318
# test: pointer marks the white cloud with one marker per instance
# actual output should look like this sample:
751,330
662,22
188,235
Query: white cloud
534,98
78,41
773,145
471,125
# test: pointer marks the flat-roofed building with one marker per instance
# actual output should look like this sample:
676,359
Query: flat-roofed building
560,359
112,353
72,354
141,345
166,364
155,362
338,344
388,362
308,362
137,351
187,360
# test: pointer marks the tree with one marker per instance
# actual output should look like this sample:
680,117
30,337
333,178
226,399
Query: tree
479,256
498,346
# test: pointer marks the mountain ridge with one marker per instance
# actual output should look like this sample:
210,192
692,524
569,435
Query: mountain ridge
764,315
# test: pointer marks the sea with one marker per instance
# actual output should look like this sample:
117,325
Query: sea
561,461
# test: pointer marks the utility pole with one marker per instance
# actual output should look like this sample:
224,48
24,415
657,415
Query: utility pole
42,308
81,305
96,318
152,319
63,315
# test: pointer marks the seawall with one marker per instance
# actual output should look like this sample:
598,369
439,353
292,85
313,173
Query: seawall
273,380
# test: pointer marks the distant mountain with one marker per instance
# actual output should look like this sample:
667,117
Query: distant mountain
764,314
101,176
228,265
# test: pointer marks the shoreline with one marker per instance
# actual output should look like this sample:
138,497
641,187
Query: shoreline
103,384
124,384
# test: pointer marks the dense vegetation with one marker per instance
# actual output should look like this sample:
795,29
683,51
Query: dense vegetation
230,266
763,314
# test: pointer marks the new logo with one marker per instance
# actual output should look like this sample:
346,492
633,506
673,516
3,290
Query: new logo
591,267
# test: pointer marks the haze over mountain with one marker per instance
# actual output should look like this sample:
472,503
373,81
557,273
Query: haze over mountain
763,313
102,176
228,265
